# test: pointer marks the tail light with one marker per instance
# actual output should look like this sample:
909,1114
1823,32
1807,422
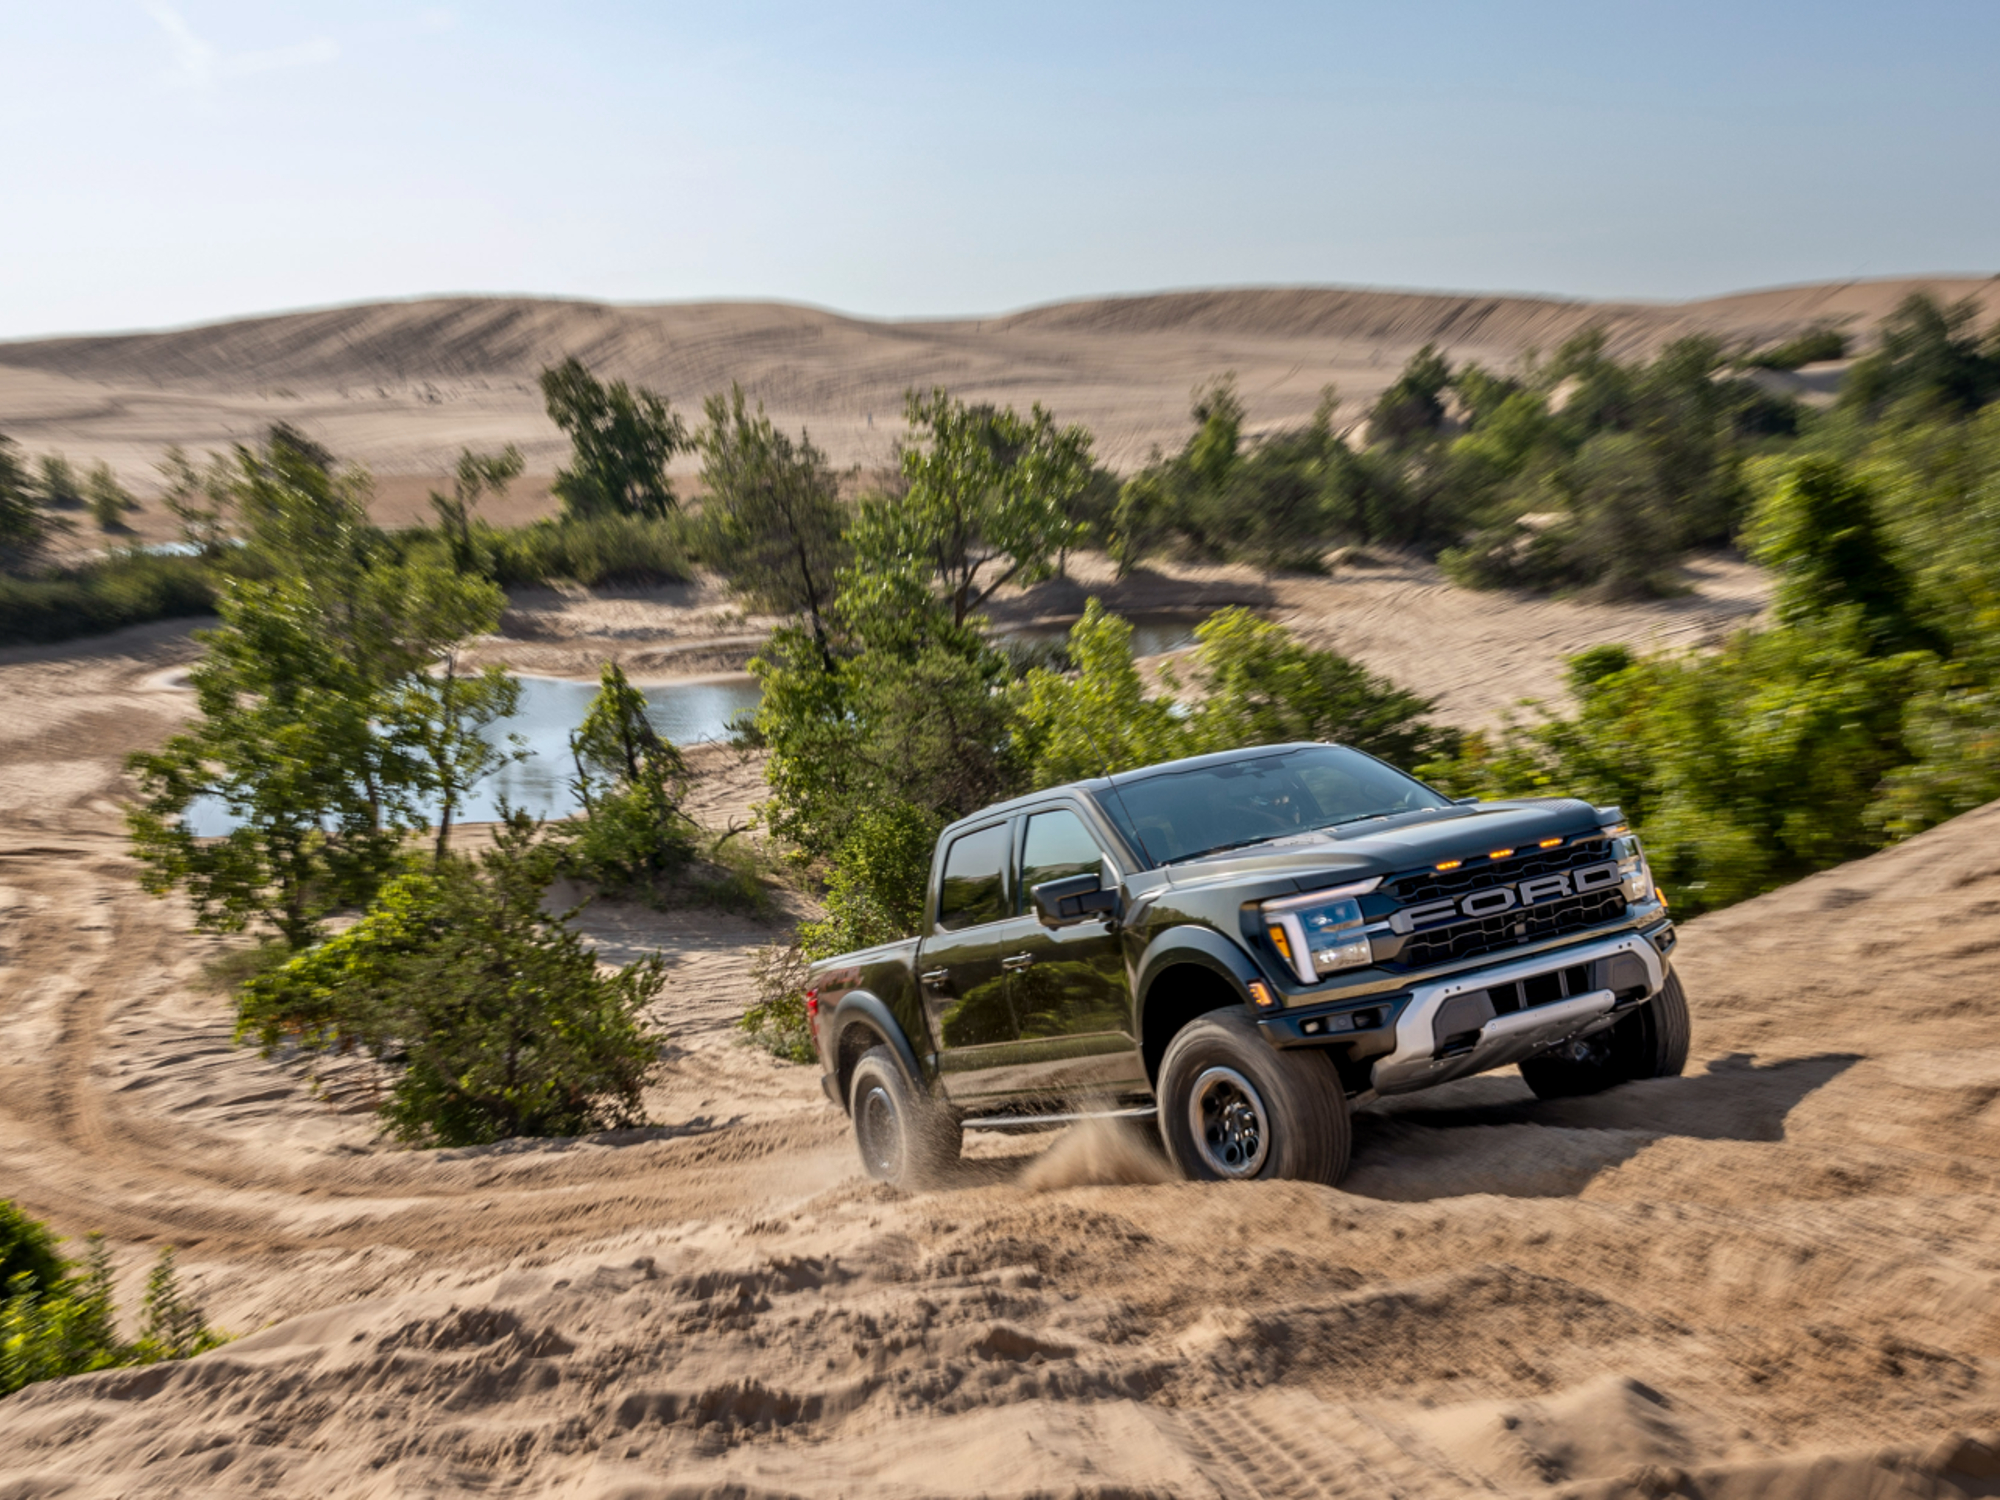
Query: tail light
812,1014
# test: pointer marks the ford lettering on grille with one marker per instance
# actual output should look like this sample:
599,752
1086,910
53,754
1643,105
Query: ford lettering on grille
1495,899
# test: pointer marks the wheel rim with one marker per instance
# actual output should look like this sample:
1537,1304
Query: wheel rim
878,1131
1227,1119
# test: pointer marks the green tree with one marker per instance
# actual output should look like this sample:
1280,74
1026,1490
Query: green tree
110,502
621,441
488,1010
1412,407
320,734
1816,530
631,783
1257,685
1929,362
285,746
1252,684
1218,433
777,528
476,476
24,530
988,502
1097,720
57,485
200,498
438,714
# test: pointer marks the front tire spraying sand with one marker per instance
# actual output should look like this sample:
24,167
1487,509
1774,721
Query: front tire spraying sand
1235,1109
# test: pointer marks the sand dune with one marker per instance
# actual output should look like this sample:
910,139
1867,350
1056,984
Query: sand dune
401,386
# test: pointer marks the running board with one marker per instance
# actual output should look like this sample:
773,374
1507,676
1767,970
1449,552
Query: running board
1023,1124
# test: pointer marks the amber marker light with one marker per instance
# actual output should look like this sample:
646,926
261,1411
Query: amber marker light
1450,864
1500,854
1548,843
1278,937
1261,993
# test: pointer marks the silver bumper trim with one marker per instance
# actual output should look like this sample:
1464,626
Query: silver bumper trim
1509,1038
1557,1013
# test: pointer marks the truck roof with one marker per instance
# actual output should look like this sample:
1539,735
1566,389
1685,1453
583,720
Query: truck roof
1092,784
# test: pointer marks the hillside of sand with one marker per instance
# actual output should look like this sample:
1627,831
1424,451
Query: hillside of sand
402,386
1776,1275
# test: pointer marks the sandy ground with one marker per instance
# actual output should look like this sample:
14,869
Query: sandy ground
1774,1276
403,386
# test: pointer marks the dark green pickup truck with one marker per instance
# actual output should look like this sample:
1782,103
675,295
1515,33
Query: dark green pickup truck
1244,946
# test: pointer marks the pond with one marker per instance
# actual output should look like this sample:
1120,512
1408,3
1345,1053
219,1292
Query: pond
686,713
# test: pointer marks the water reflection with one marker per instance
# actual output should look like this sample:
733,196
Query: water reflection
686,713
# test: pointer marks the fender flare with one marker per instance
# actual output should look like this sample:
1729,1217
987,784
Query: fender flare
858,1007
1203,947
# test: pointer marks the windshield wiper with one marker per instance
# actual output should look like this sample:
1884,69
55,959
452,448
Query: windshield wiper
1223,848
1388,812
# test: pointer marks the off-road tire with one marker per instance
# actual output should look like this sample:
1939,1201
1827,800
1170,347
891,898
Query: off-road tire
904,1138
1269,1114
1651,1042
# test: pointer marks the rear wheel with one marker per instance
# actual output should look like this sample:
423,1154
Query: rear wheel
1234,1108
904,1138
1651,1042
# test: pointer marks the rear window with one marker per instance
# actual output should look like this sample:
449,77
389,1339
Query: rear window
974,888
1181,814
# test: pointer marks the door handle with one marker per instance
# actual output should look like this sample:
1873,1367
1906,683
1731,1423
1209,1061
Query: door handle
1018,961
935,976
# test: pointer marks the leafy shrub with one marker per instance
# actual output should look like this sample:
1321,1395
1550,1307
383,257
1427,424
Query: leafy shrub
1813,345
1253,684
63,1321
126,588
631,783
592,551
489,1011
777,1022
27,1249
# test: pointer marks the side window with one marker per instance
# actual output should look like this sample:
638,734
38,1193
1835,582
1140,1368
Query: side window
974,889
1058,844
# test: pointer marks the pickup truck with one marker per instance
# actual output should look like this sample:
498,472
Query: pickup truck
1245,947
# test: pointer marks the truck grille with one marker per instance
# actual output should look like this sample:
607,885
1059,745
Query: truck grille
1429,885
1510,929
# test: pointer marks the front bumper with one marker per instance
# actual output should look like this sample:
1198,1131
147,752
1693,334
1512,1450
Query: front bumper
1428,1053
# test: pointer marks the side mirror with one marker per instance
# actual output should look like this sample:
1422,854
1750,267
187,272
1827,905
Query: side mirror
1073,899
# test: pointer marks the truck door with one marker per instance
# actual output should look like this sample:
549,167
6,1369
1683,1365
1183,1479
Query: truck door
965,987
1070,994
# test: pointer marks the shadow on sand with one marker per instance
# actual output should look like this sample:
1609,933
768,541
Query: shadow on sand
1490,1134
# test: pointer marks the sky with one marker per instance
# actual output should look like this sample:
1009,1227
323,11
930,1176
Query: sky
179,161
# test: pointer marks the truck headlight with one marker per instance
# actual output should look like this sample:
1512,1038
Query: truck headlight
1322,932
1638,880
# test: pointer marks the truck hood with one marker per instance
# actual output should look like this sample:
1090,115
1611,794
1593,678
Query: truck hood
1385,846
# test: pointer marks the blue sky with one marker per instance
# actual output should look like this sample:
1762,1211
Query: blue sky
180,160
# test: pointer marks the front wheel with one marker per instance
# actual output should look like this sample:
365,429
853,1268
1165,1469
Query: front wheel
1235,1108
904,1138
1651,1042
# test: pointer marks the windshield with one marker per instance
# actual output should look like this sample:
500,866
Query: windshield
1175,815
